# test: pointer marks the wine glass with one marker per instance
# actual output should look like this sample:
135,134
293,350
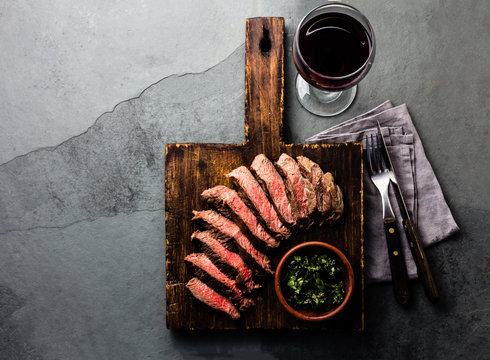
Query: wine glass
333,49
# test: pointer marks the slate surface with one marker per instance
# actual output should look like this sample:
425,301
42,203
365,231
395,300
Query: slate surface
82,226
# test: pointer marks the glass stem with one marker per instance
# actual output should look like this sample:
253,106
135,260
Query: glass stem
324,96
321,102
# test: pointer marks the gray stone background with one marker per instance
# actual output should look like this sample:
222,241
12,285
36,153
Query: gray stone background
91,91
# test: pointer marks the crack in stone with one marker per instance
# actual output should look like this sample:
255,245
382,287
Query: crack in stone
79,221
54,147
116,166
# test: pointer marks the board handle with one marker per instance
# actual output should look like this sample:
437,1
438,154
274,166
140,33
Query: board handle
264,84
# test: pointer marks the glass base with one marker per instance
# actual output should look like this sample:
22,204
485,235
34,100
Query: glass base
321,102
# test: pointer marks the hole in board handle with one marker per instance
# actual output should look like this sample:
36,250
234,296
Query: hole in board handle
265,43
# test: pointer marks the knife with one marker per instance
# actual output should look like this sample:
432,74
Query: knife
410,228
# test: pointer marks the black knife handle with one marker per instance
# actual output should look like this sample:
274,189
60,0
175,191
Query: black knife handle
397,262
420,259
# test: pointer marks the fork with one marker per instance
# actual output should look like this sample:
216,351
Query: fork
380,176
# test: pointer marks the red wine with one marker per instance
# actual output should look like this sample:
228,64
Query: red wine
332,50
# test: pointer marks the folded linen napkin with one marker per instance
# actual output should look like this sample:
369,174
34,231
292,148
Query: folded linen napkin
421,190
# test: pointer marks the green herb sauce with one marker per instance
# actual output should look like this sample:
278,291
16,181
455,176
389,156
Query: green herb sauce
313,282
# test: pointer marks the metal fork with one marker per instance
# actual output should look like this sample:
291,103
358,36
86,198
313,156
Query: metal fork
380,175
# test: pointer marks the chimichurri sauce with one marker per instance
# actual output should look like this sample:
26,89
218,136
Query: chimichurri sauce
313,281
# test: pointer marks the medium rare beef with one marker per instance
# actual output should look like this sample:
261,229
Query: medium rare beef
267,175
230,204
207,295
299,189
337,200
211,219
220,254
312,171
204,269
256,199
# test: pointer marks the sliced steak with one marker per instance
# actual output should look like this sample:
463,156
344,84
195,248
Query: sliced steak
207,272
312,171
204,293
299,189
230,204
337,200
256,199
229,229
267,175
220,254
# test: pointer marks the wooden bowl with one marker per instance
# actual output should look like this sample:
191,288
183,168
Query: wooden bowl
348,275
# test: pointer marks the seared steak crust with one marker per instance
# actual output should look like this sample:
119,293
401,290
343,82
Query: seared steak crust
229,229
209,273
272,183
312,171
230,204
256,199
299,189
218,252
337,200
207,295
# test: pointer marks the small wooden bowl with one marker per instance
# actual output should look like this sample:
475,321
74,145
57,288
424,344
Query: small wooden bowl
347,271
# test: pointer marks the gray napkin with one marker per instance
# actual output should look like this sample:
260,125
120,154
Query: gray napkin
419,185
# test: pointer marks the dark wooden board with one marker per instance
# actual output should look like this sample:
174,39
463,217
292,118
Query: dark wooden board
192,168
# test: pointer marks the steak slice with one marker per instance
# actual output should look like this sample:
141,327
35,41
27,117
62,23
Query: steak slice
298,188
218,252
312,171
205,269
230,204
267,175
256,199
337,199
229,229
207,295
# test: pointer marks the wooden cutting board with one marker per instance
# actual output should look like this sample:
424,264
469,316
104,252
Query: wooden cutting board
192,168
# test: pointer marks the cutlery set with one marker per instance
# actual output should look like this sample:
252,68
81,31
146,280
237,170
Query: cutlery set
382,174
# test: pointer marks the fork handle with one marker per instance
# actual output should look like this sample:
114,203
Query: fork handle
420,259
397,262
